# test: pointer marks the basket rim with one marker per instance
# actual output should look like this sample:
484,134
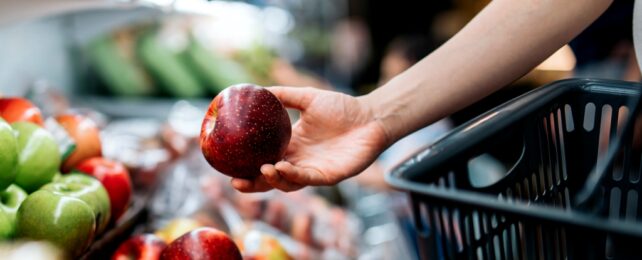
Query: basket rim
522,208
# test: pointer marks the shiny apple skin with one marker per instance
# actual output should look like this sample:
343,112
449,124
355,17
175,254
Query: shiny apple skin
86,135
201,244
140,247
245,127
17,109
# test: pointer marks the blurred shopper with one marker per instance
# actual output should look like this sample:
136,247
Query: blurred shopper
338,136
605,49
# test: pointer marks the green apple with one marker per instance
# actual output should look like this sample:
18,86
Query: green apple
38,159
65,221
8,155
10,201
6,226
56,177
89,190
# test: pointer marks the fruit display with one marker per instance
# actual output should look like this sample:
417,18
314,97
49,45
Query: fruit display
35,144
114,177
57,217
245,127
17,109
87,189
10,200
83,188
8,155
70,210
117,161
86,137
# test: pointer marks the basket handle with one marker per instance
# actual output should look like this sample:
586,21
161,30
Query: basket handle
468,136
587,198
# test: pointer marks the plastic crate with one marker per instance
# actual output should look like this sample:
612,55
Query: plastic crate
571,189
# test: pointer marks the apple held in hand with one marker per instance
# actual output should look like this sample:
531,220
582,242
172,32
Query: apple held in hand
85,134
38,158
245,127
114,177
140,247
87,189
202,243
15,109
8,155
65,221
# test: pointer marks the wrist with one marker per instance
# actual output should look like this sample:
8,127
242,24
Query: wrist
385,112
398,106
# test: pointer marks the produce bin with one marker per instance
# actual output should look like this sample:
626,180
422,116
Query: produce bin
570,189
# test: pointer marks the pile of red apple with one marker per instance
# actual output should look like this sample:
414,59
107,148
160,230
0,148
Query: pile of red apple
200,243
189,238
66,197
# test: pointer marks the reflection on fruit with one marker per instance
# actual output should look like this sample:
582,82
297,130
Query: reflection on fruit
140,247
202,243
177,228
39,157
245,127
66,221
8,155
114,177
87,189
85,134
15,109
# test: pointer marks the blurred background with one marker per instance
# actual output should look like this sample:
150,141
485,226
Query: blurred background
147,69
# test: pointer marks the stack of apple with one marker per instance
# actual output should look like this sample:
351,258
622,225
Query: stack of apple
68,198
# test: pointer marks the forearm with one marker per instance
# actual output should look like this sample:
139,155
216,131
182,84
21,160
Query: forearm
506,40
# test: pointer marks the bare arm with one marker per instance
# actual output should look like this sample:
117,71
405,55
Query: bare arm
339,136
503,42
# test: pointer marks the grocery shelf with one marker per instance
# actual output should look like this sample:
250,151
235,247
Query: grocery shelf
152,107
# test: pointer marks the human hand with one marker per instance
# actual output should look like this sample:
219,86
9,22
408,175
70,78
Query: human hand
336,137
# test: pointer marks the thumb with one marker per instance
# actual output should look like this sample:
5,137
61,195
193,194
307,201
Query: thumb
294,97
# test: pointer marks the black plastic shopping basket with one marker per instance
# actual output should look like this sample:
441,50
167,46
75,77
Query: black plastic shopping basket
571,187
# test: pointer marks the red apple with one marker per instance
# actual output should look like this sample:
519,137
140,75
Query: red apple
115,177
245,127
85,134
202,243
15,109
140,247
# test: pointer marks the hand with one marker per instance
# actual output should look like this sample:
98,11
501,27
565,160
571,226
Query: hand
336,137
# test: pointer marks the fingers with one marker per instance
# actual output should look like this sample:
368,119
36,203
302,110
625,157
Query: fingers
257,184
294,97
274,179
307,176
283,176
